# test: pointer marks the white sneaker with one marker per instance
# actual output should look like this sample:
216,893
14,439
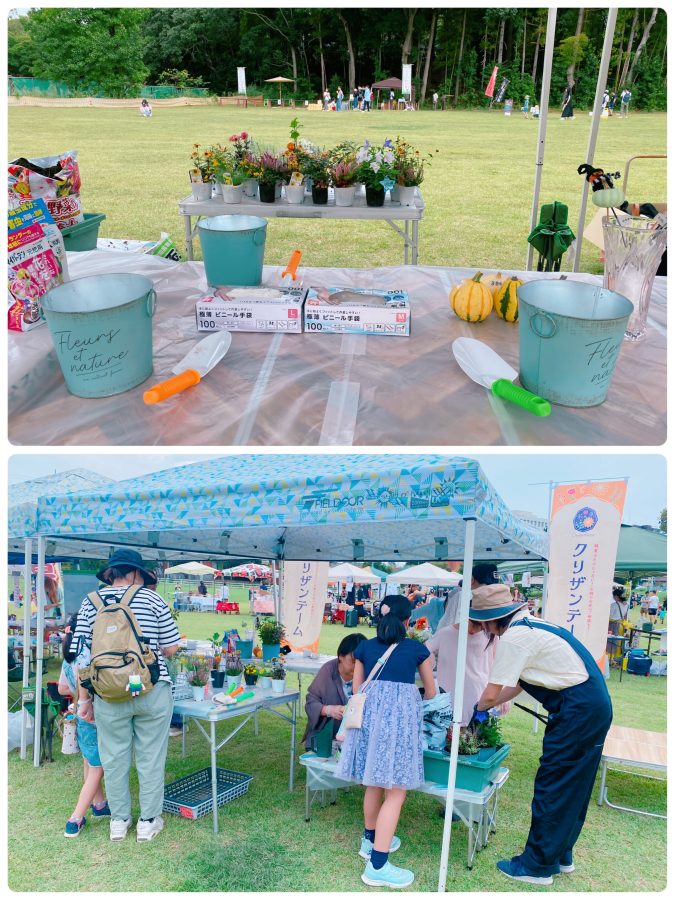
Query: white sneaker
119,828
146,831
175,732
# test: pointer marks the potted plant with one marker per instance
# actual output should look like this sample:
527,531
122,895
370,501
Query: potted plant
250,674
265,673
317,167
409,170
199,678
376,171
217,676
271,633
419,630
233,668
278,675
244,160
344,175
201,173
271,169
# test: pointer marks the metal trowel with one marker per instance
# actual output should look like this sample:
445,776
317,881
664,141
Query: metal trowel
486,367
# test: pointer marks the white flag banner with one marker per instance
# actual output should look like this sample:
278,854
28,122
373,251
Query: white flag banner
304,590
526,579
241,79
406,78
584,536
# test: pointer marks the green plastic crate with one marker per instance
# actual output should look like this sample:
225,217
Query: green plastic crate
84,235
472,774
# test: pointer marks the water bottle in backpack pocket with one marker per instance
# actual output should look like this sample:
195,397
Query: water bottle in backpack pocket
119,652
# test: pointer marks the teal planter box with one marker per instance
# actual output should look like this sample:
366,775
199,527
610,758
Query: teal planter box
245,649
473,774
84,235
351,618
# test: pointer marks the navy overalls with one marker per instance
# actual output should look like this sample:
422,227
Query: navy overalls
578,721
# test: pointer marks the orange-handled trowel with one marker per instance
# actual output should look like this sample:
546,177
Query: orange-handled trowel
190,370
289,277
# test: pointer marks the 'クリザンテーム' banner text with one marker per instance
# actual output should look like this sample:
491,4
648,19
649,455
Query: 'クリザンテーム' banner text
303,597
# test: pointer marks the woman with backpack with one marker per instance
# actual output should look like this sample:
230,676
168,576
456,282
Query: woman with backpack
91,795
386,753
132,702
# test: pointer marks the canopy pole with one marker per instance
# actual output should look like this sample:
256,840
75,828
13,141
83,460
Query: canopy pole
275,593
543,121
458,699
595,124
27,566
39,647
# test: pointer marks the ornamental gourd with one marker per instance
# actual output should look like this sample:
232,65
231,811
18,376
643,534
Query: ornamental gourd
494,281
506,300
471,300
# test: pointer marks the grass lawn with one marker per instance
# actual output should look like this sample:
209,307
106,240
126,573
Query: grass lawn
477,192
265,845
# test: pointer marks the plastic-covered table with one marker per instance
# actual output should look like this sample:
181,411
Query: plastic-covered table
476,809
391,213
213,713
318,389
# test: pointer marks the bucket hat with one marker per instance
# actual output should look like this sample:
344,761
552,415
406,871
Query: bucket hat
493,601
124,557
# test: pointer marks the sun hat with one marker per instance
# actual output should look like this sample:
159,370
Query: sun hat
124,557
493,601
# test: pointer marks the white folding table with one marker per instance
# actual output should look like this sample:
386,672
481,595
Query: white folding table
391,213
213,713
637,749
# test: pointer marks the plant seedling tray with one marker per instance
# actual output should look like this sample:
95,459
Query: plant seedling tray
473,774
190,797
84,235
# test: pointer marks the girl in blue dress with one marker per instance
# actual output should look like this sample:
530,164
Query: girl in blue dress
386,753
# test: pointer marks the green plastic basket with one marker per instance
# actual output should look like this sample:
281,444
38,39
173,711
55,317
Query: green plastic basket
472,774
84,235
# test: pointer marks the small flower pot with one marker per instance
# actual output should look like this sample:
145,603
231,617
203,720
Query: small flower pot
267,192
201,190
395,195
232,193
265,682
277,191
198,692
217,190
374,196
344,196
406,196
250,187
250,680
295,193
319,195
233,681
269,651
278,685
217,678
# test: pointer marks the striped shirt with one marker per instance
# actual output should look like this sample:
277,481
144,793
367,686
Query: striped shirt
152,614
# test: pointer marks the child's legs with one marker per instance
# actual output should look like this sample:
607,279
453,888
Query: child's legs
90,788
387,818
372,802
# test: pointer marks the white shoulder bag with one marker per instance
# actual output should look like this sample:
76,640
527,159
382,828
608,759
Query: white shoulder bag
353,715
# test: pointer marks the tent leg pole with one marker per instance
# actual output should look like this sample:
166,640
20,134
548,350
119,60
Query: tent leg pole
593,137
543,121
39,647
27,561
458,699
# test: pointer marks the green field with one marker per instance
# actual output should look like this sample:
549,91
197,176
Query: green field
478,192
265,845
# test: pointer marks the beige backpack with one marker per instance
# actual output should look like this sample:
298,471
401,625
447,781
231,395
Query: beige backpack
118,650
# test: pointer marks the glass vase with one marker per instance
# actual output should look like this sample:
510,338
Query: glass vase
633,251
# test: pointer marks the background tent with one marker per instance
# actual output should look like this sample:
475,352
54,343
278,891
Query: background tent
350,573
641,550
252,571
425,574
190,568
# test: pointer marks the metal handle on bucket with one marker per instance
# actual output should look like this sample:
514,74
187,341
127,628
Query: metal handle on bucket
546,318
151,303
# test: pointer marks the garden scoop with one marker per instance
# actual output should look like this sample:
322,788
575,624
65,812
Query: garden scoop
486,367
190,370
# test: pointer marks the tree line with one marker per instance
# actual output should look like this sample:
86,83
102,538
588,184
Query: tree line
452,51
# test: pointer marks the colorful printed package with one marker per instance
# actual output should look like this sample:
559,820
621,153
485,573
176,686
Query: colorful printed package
32,270
54,179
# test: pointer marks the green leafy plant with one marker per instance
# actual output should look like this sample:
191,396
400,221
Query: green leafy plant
251,669
199,672
317,167
270,631
233,664
278,669
468,744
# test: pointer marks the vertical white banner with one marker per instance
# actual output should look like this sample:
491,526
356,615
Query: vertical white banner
406,78
304,590
584,536
241,79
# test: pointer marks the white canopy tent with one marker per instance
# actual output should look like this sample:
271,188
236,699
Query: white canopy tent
190,568
269,507
425,574
351,574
